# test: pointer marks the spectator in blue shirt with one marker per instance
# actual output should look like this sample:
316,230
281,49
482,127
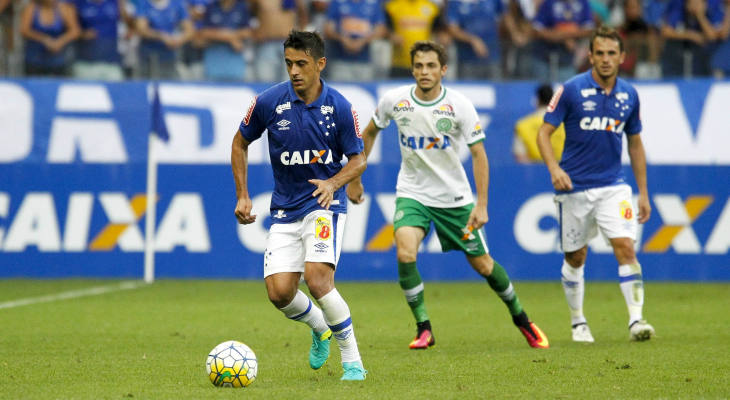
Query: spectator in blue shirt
192,52
654,11
721,57
165,26
474,25
558,27
691,28
226,27
351,26
48,27
97,55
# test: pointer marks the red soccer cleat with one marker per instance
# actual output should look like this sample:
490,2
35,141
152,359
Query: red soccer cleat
423,340
535,337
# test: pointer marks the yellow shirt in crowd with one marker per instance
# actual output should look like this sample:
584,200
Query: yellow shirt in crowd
413,20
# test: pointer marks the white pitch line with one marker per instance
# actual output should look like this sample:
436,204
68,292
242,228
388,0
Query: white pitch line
72,294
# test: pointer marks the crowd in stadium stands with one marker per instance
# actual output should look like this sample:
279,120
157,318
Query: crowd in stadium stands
241,40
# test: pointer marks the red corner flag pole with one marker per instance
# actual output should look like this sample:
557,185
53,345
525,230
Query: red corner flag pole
157,129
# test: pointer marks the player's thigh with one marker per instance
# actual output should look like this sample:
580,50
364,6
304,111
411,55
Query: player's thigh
284,249
452,231
615,213
322,234
409,212
576,216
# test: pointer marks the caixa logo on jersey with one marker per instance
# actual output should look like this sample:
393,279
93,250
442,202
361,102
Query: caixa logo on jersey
425,142
306,157
35,223
602,124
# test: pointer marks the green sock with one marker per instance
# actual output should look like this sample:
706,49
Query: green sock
499,282
410,282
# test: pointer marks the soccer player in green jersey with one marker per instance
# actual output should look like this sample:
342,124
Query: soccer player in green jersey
433,124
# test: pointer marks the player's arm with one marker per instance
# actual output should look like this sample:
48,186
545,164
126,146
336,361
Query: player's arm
638,165
239,163
355,189
561,180
480,163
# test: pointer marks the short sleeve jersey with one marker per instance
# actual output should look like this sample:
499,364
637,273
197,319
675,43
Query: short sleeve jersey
306,141
480,18
101,16
677,17
237,17
594,127
354,19
430,136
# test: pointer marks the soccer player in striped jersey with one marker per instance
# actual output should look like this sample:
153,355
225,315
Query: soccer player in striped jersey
433,124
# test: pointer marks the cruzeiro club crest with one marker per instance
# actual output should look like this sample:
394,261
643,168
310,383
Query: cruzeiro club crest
443,125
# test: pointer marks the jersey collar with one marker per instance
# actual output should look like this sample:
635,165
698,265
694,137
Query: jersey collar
317,103
593,83
427,103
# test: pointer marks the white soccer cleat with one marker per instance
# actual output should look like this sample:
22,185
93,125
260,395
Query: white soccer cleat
640,331
582,333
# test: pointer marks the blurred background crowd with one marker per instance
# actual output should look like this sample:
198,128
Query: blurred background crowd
241,40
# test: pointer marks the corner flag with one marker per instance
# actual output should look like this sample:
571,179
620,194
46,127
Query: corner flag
158,129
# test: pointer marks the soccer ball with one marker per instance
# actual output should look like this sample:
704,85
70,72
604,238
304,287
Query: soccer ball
232,364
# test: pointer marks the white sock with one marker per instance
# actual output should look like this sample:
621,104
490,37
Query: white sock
574,288
632,286
337,315
303,310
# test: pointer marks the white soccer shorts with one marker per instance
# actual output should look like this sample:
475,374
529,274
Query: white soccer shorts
315,238
581,214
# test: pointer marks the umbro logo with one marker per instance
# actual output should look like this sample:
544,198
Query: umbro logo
283,125
321,246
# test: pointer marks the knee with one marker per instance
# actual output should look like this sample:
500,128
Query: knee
483,265
406,255
318,288
576,258
624,251
281,298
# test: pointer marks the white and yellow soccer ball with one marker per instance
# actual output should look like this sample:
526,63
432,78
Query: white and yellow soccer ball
232,364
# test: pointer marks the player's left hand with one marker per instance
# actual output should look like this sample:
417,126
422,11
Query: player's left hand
644,209
325,191
477,218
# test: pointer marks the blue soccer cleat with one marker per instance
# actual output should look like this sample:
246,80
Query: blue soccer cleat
320,351
353,371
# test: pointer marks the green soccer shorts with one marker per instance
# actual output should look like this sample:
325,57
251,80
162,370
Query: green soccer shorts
450,225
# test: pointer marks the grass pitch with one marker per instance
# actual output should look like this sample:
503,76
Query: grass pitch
152,342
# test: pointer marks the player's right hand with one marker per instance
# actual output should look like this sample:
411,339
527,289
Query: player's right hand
243,211
354,191
561,180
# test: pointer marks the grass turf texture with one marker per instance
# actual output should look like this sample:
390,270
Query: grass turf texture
152,342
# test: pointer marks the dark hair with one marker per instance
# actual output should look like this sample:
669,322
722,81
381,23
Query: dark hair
607,32
426,46
311,43
544,94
